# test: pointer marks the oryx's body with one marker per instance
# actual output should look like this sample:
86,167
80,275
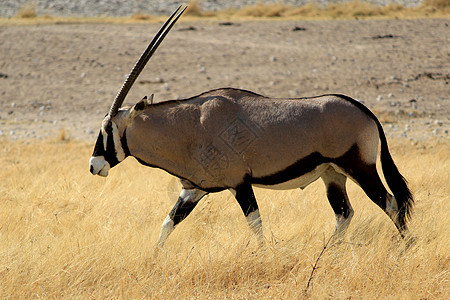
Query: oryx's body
221,138
233,139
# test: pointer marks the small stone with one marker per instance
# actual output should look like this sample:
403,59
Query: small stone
379,98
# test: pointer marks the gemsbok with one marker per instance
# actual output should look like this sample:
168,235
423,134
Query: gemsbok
232,139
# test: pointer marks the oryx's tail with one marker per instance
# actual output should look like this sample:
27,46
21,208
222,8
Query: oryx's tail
396,182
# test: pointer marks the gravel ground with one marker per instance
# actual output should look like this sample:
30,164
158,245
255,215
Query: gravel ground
89,8
64,77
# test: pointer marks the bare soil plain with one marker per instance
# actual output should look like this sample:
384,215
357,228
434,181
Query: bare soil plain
65,76
67,234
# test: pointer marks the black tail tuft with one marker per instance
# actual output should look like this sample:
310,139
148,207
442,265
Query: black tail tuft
396,182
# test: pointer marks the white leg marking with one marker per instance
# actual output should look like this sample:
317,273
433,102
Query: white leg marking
254,221
342,223
392,209
192,195
166,229
391,206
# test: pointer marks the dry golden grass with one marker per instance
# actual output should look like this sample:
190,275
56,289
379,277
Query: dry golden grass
27,11
346,10
67,234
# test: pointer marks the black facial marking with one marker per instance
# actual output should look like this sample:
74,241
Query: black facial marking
99,149
110,155
123,141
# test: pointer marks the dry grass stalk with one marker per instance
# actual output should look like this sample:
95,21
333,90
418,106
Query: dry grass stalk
67,234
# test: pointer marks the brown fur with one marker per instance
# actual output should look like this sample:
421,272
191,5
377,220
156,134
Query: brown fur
219,137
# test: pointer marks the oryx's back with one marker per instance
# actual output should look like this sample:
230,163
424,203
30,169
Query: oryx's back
271,134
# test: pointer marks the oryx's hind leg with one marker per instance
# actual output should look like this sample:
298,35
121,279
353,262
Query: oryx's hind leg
367,177
337,196
246,199
187,200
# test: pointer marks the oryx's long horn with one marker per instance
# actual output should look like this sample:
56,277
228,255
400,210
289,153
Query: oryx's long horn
140,64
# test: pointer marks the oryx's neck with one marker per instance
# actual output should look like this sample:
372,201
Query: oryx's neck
162,136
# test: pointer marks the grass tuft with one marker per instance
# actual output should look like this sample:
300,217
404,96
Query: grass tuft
28,11
194,9
141,17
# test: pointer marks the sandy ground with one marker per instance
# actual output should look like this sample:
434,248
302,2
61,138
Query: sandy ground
64,77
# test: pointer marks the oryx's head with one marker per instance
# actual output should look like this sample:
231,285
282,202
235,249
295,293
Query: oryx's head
111,148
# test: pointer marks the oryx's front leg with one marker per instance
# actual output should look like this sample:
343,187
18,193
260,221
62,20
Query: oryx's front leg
246,199
187,200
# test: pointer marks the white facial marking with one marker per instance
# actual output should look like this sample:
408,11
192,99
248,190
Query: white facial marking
120,154
99,166
104,134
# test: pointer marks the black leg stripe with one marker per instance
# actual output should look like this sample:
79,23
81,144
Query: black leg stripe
181,210
246,198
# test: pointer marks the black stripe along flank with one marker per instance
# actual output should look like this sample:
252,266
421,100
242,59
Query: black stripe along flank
299,168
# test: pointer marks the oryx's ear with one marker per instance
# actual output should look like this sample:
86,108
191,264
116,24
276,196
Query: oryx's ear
140,106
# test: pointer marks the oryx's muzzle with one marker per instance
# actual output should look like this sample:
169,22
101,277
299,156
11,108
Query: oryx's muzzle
108,150
99,166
